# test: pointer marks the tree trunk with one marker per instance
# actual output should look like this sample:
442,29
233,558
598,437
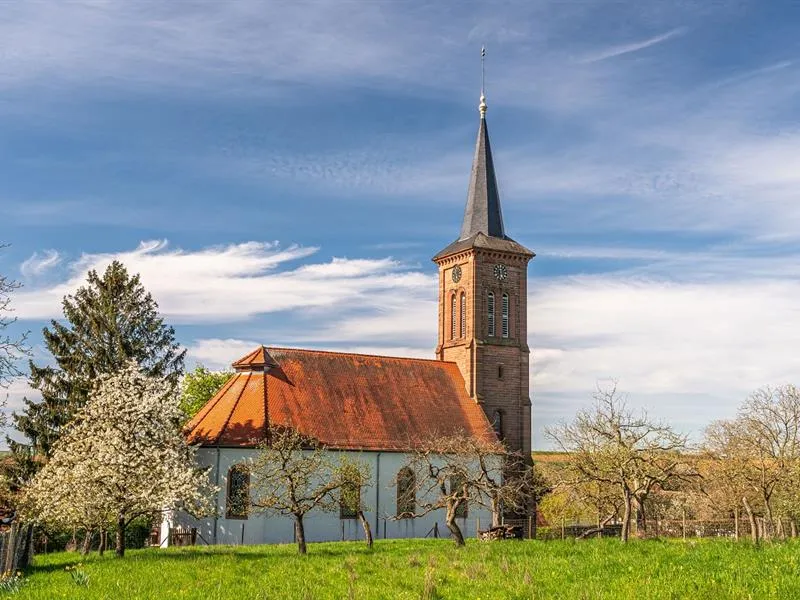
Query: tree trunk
736,523
496,512
752,519
793,527
103,542
300,534
769,524
87,542
455,530
641,518
120,549
626,516
367,528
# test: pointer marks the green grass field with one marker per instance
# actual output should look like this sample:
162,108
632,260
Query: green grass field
430,569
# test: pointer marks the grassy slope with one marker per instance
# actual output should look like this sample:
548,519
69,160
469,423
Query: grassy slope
708,570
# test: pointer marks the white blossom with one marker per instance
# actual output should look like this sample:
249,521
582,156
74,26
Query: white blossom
122,457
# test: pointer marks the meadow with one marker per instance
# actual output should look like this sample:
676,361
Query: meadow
428,569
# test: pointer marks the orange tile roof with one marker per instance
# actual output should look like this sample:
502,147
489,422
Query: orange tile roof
346,401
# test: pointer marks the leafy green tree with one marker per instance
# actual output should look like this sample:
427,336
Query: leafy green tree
199,386
108,322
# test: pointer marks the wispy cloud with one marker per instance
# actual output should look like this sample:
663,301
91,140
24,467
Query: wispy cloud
38,264
234,282
615,51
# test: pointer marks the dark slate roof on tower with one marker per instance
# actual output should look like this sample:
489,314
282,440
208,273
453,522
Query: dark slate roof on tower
483,216
483,213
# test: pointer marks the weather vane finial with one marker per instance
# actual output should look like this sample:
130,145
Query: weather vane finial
482,105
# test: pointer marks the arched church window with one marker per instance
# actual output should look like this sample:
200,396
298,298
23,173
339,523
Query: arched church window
406,492
504,310
453,317
490,313
349,501
238,503
463,330
497,423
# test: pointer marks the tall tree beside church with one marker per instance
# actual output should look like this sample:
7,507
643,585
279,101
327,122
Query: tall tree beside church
107,323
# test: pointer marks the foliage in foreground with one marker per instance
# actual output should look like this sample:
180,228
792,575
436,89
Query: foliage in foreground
121,458
412,569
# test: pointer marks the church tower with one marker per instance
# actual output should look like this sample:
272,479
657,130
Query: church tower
483,303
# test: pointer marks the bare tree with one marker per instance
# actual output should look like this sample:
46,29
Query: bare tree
293,474
352,476
757,457
456,471
609,444
11,348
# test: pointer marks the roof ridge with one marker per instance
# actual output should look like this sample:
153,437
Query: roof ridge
435,360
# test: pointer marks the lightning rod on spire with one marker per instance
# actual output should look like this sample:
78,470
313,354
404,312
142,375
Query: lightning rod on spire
482,105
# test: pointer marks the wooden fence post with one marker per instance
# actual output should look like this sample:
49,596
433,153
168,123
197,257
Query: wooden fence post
683,522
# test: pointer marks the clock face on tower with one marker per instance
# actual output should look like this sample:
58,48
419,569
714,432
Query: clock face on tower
456,274
500,272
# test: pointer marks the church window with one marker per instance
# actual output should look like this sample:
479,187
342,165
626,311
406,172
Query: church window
238,504
349,501
490,313
499,371
456,483
497,423
453,316
504,309
406,492
463,330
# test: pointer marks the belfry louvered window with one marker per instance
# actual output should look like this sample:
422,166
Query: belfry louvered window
453,316
504,309
490,314
463,331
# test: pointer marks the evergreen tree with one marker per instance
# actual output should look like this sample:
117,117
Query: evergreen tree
108,322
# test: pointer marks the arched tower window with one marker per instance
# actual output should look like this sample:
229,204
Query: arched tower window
463,330
238,503
490,313
497,423
504,309
406,492
453,316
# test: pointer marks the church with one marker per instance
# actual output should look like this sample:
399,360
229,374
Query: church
374,406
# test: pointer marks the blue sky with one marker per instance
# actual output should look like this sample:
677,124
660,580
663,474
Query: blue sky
281,173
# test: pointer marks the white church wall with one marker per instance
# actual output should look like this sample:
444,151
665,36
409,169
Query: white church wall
380,499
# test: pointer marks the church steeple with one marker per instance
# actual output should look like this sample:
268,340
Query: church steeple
483,213
483,304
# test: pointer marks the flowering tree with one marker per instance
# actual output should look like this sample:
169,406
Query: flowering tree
122,457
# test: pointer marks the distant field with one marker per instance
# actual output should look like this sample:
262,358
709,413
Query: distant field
432,569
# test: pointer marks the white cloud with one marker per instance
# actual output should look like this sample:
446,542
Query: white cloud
37,264
715,341
615,51
235,282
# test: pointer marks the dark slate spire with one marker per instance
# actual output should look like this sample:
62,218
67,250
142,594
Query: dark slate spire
482,213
